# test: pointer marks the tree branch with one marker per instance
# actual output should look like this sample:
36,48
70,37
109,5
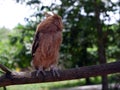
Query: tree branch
5,69
16,78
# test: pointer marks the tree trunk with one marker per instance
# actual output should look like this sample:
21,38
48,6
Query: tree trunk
101,43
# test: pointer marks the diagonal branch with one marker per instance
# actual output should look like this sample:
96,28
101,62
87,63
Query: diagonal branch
5,69
16,78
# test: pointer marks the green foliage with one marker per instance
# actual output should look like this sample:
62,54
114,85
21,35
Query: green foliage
21,39
5,55
15,48
80,35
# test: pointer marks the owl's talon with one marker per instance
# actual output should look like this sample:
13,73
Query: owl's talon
54,71
40,70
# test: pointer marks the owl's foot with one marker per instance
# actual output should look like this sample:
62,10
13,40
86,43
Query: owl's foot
54,71
40,70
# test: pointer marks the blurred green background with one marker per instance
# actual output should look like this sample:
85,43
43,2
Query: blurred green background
88,28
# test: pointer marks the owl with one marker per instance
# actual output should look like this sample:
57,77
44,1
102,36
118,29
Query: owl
46,44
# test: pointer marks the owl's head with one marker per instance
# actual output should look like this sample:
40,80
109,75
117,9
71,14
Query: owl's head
56,19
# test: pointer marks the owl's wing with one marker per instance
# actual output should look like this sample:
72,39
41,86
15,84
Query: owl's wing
35,43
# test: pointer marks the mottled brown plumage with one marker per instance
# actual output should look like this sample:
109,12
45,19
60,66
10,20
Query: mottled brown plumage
47,41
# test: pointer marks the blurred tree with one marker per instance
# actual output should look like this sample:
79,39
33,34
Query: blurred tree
21,39
101,42
5,55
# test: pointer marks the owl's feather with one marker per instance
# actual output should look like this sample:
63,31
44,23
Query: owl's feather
47,41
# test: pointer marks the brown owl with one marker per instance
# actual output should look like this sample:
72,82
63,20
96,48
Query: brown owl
46,44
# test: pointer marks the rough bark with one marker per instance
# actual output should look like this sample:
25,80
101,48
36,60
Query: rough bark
16,78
